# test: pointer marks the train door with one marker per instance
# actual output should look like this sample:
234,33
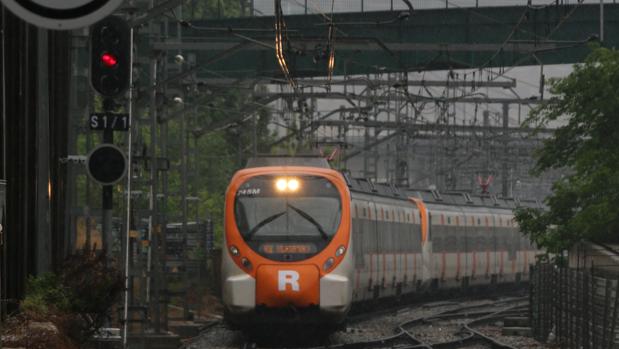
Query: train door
362,246
374,248
487,244
464,254
425,240
498,254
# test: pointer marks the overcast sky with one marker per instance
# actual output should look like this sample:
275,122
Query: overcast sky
315,6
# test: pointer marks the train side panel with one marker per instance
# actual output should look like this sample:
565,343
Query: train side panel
465,246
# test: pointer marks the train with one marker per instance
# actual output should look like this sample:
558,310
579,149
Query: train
304,242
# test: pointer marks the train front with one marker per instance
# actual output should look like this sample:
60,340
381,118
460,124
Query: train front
287,240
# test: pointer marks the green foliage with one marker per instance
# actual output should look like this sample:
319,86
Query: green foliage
45,294
83,292
222,134
585,202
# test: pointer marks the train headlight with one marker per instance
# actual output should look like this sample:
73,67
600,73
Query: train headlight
340,251
281,184
287,184
234,251
293,184
328,263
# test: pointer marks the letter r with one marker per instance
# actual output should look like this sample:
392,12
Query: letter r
288,277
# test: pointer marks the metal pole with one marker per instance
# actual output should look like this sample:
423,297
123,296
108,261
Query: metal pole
184,211
107,197
254,135
504,167
43,140
601,20
128,217
4,133
152,206
4,161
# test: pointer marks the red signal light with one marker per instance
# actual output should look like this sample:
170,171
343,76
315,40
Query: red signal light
109,60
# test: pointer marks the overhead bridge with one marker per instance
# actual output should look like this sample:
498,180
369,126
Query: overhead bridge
396,41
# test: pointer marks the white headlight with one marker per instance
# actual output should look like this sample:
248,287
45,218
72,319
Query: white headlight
293,184
281,184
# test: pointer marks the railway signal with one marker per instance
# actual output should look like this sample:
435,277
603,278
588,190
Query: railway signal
110,56
106,164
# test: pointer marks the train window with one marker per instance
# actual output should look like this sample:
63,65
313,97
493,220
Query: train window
365,212
267,217
448,219
478,221
457,220
386,214
382,214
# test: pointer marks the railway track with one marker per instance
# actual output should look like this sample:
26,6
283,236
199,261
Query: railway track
435,325
456,329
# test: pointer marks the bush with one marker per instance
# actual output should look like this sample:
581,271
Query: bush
79,298
45,295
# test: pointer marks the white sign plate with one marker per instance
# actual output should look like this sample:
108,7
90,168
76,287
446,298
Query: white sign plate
62,14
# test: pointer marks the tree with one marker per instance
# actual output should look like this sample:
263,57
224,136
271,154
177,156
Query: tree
585,202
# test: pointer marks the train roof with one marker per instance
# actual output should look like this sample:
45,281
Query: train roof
279,160
452,198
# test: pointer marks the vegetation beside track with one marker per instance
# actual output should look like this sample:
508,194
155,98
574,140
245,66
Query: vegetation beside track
64,309
584,202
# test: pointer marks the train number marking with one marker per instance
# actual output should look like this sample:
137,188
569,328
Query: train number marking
288,277
248,192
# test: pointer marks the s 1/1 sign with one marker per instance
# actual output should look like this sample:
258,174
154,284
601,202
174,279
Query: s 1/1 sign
109,121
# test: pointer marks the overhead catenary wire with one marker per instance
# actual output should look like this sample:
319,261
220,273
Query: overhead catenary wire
331,45
280,39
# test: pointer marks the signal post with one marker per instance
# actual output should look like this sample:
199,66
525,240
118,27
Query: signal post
110,68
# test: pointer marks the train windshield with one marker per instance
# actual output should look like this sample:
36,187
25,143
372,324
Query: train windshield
288,217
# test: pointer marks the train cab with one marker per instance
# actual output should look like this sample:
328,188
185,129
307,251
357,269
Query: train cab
287,239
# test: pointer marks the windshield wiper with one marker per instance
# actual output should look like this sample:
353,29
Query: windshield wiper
311,220
262,224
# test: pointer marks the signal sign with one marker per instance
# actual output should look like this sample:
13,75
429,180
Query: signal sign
62,15
110,56
109,121
106,164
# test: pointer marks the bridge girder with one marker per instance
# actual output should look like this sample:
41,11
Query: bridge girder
379,42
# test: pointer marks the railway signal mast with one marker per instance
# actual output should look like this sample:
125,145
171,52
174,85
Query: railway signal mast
110,68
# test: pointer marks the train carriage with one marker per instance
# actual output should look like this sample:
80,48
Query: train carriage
304,242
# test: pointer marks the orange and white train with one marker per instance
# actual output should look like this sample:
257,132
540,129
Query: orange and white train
303,242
